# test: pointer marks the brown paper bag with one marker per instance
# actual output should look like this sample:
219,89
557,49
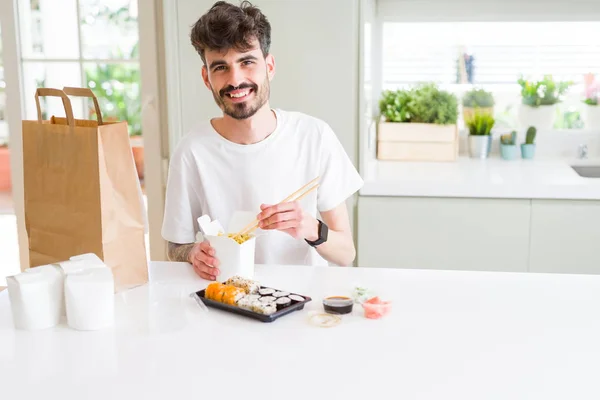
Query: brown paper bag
82,193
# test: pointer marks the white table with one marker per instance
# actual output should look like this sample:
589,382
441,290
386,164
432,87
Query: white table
451,335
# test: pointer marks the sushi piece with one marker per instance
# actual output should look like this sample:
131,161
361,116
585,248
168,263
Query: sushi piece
246,303
214,291
250,286
281,294
295,297
265,308
232,294
267,299
283,302
253,296
266,291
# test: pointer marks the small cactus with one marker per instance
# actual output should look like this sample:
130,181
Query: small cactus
530,136
509,138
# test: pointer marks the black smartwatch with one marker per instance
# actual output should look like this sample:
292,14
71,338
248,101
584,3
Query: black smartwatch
323,231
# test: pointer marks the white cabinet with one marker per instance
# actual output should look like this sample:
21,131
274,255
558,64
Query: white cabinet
443,233
565,236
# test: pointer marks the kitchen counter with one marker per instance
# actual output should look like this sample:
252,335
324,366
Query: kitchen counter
451,335
473,178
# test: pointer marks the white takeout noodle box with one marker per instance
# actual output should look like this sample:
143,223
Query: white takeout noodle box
234,258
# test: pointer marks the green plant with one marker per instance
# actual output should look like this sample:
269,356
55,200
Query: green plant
478,98
394,105
118,90
530,135
509,139
480,124
425,103
544,92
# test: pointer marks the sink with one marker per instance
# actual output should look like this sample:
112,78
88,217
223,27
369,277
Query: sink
587,171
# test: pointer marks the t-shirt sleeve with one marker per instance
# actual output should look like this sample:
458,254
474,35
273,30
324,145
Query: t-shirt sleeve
182,204
339,179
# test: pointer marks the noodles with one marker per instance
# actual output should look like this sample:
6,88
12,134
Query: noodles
240,239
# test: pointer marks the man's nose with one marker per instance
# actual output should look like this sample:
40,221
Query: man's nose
236,76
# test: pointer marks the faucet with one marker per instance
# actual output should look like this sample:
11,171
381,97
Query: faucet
583,151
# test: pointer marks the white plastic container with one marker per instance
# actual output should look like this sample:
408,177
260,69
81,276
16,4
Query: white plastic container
89,298
36,297
234,258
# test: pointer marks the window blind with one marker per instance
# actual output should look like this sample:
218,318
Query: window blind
501,52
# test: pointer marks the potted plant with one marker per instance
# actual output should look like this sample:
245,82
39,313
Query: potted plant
480,134
477,99
5,179
591,111
418,124
539,99
508,146
528,148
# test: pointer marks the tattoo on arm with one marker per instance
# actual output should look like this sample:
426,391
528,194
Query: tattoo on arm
179,252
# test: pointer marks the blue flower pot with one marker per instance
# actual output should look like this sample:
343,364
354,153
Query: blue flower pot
527,151
509,151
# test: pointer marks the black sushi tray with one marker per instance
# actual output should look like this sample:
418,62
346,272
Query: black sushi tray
294,306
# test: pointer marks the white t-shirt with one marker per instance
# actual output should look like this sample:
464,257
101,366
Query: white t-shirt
211,175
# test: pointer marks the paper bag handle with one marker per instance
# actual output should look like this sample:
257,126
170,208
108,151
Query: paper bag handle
85,92
54,93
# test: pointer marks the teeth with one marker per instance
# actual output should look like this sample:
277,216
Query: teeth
241,94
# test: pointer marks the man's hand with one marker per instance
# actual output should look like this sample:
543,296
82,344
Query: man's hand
289,218
202,257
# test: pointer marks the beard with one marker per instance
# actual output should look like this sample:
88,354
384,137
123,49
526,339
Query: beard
246,109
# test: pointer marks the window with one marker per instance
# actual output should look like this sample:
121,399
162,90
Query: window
492,56
88,43
3,123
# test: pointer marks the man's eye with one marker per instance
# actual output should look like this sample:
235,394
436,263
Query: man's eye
219,68
248,62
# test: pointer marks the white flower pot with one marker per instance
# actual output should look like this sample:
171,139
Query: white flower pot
541,117
591,117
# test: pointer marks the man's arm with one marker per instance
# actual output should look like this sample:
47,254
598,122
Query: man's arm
290,218
179,252
339,248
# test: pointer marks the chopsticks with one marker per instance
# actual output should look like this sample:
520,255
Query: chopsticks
252,226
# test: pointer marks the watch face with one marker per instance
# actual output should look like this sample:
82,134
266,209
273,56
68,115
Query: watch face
323,231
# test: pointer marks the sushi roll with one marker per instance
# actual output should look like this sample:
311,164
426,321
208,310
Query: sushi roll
253,297
266,292
232,294
281,294
215,291
295,297
246,303
265,308
250,286
267,299
283,302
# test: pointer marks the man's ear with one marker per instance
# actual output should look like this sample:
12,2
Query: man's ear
205,77
270,61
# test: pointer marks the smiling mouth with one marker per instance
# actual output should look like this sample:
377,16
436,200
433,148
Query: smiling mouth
239,94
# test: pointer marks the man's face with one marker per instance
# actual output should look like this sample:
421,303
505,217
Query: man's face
240,82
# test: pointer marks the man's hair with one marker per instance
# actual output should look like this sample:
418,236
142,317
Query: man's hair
226,26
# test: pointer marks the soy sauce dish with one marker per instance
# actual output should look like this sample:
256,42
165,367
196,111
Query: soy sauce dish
338,304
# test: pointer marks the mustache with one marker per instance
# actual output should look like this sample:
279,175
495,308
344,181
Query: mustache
230,88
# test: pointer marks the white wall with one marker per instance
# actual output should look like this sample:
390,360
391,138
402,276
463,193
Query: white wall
315,45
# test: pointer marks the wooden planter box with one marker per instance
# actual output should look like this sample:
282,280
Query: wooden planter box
400,141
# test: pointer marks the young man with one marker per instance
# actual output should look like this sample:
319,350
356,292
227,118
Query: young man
253,156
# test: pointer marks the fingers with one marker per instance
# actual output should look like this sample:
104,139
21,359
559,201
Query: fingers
205,263
268,210
205,271
282,225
